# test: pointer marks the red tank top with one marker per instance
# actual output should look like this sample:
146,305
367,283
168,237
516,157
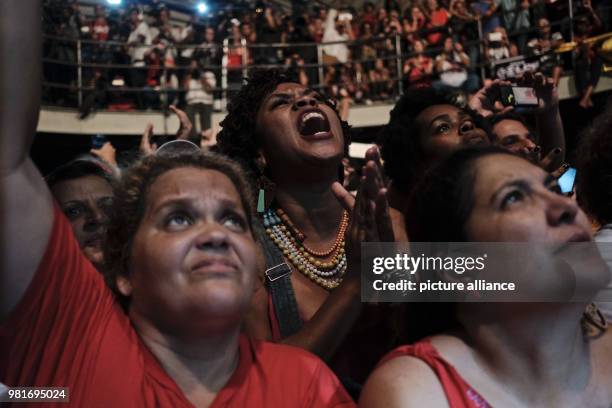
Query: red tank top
458,392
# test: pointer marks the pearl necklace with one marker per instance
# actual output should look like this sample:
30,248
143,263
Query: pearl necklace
326,274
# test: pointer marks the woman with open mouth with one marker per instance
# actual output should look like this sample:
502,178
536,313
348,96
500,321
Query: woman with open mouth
292,141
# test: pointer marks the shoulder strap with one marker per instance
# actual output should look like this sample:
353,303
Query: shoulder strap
278,282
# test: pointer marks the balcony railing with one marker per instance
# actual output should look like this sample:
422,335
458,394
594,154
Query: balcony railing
78,71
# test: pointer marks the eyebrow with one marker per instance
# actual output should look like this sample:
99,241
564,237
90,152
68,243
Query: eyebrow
307,91
522,184
71,202
187,201
440,117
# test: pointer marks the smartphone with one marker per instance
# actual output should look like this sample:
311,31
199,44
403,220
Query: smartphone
518,96
98,141
567,181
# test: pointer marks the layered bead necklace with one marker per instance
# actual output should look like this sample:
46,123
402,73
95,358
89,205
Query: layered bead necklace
290,240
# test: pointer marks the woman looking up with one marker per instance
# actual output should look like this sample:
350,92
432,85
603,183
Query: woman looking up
182,259
514,354
292,141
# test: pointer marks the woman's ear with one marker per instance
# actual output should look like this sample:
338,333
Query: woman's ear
124,285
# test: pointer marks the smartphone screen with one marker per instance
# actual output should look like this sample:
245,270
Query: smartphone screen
567,180
524,96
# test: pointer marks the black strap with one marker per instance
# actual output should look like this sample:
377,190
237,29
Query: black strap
278,281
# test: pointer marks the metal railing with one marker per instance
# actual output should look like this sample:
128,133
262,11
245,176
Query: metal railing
66,76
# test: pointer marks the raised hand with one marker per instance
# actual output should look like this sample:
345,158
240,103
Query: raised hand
185,127
146,147
486,103
369,219
106,153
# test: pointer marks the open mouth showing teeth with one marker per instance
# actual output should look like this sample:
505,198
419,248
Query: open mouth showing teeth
313,123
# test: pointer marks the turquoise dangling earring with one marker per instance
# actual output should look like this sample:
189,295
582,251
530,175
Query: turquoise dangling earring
261,201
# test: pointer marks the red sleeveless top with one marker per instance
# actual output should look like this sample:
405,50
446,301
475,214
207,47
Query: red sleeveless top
458,392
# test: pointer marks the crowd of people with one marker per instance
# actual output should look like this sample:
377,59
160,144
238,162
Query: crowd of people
231,275
129,54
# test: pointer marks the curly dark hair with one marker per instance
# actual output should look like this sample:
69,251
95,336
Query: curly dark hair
131,195
237,138
399,141
594,168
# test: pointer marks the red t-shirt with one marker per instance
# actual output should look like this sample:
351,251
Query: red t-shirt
68,331
458,392
439,18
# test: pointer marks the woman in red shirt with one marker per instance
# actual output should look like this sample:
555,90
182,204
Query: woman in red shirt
419,67
437,20
182,259
502,354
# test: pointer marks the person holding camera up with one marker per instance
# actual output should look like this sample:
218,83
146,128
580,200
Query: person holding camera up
199,86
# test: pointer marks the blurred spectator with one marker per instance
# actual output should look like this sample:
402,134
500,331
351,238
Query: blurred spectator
498,47
100,28
199,85
169,82
316,28
208,53
452,66
419,68
235,54
186,46
96,96
437,20
307,54
464,29
543,45
368,16
295,67
587,63
138,43
337,28
515,15
368,51
487,11
414,24
381,84
268,32
462,21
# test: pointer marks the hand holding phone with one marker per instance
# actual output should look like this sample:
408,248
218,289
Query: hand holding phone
567,180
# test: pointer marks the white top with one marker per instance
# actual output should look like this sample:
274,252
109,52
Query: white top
196,92
340,51
452,76
137,53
